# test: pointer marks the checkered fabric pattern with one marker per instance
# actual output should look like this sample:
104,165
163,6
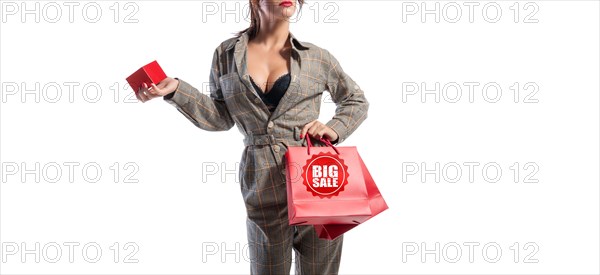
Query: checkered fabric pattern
234,101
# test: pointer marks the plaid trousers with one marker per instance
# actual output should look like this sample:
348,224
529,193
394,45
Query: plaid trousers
234,101
270,238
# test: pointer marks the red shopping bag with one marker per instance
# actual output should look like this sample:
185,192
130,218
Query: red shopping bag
376,202
330,187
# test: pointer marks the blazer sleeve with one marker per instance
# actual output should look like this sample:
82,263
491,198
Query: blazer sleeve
351,104
206,112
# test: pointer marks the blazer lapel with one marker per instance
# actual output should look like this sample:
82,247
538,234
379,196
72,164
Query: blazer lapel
240,53
293,92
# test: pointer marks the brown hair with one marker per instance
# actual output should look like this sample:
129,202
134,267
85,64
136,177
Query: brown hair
255,20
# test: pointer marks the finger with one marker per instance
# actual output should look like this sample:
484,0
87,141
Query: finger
306,127
315,129
322,131
154,90
149,92
148,87
162,84
140,92
144,95
137,94
331,135
143,88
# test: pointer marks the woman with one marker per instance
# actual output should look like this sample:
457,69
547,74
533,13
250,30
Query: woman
270,85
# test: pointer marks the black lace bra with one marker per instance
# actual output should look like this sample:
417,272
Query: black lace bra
272,98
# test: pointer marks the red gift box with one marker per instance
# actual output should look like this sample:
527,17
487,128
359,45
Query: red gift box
151,73
330,188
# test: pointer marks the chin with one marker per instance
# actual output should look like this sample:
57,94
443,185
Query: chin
287,13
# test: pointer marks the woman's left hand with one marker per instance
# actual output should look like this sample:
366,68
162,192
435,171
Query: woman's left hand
317,129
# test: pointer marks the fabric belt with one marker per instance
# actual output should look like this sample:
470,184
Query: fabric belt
265,139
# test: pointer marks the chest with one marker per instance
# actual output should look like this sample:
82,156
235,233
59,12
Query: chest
266,67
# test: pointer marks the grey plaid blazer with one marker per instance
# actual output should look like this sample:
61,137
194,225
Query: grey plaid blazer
233,100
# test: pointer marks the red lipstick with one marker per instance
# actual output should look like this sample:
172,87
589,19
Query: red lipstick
286,4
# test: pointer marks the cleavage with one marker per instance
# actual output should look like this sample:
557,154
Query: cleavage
272,83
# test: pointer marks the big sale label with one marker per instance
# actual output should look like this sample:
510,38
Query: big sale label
325,175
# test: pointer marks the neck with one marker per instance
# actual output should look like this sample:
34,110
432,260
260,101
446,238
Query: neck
273,34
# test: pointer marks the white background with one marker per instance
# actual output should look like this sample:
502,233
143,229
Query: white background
183,219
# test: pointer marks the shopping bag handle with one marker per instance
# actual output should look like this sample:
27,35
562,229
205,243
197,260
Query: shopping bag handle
324,140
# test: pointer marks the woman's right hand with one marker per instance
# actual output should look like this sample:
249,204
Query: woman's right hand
165,87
